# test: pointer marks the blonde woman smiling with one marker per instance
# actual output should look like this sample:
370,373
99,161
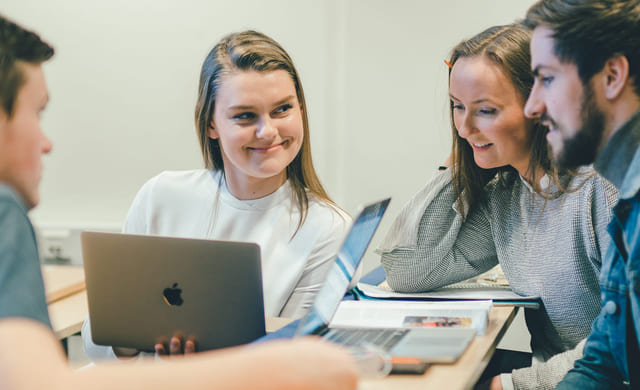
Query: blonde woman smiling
258,185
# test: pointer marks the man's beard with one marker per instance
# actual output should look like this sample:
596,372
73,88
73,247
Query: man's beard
581,149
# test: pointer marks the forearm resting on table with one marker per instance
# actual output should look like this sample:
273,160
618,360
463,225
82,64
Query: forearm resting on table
31,358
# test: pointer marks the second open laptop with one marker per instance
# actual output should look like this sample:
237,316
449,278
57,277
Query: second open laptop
426,345
145,289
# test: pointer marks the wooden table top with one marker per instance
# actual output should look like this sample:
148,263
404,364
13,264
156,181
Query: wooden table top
462,374
68,308
62,280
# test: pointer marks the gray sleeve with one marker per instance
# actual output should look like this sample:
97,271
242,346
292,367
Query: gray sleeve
21,288
547,375
606,196
439,247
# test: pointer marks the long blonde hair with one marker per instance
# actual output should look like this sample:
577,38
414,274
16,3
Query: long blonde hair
251,50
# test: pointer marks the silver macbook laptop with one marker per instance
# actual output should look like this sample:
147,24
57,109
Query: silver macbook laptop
145,289
427,345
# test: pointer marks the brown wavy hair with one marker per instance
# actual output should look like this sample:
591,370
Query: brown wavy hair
251,50
508,47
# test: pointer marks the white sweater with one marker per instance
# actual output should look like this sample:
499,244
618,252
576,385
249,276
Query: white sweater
197,204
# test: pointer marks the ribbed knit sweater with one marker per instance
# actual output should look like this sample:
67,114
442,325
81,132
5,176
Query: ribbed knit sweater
550,248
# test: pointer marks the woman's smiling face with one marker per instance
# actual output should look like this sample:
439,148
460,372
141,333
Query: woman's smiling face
257,121
488,112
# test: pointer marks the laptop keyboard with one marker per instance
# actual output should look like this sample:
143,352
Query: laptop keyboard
384,338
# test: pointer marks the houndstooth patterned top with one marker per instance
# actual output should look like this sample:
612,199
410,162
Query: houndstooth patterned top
550,248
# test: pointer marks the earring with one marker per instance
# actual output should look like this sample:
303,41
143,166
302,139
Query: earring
211,130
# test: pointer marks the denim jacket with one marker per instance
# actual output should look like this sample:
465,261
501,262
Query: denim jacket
611,351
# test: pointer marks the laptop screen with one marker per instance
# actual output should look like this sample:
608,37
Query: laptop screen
344,268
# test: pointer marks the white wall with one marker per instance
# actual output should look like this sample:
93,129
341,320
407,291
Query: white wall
124,79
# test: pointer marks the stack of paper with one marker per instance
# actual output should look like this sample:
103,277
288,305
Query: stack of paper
396,314
458,292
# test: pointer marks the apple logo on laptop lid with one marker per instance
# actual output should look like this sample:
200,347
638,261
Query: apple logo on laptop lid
171,295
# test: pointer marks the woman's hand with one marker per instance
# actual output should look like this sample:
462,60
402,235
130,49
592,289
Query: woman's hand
176,347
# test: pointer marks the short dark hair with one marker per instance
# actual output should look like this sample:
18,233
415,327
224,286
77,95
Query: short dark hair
17,46
590,32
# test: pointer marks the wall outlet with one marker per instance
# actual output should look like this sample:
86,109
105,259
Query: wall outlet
56,247
60,244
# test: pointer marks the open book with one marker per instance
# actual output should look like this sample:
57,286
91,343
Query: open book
457,292
413,314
